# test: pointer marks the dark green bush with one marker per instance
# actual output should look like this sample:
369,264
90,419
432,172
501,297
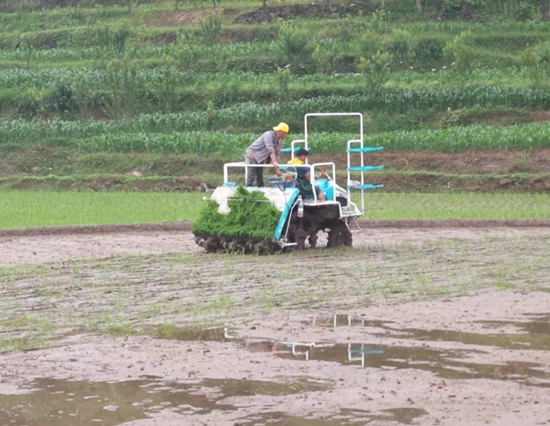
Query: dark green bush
28,104
428,52
60,99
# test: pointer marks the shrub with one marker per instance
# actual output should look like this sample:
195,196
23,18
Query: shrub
368,44
60,99
428,52
376,70
29,103
293,46
461,52
399,45
542,50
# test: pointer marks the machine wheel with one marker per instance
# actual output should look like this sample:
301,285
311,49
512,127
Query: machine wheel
313,239
301,236
339,235
347,237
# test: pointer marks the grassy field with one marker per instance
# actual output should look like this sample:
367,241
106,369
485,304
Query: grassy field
30,209
27,209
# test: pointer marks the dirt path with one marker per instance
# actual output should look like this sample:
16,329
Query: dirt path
427,325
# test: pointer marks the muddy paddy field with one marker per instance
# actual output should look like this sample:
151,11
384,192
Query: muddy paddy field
439,324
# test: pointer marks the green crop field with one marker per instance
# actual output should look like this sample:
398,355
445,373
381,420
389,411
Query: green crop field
22,209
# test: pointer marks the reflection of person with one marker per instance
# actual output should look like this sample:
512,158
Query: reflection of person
303,176
265,150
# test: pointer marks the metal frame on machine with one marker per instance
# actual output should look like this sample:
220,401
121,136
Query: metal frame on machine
354,146
350,149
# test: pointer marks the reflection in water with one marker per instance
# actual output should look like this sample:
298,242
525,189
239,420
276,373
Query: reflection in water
346,417
537,334
81,403
191,334
304,349
339,320
445,363
405,415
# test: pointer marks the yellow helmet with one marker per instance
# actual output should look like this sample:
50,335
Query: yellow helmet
283,127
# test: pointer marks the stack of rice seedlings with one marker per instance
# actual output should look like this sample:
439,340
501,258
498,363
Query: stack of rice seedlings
248,228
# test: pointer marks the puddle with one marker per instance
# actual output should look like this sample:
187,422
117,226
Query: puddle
404,415
234,387
346,417
444,363
188,334
536,336
281,419
212,334
539,325
80,403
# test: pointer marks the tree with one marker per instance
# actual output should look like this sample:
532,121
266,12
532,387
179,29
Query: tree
187,50
460,50
75,4
542,5
211,30
120,40
283,77
293,45
326,57
166,86
124,87
376,70
400,46
544,9
533,64
130,4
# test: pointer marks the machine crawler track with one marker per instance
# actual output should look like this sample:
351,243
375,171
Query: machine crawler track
338,235
213,244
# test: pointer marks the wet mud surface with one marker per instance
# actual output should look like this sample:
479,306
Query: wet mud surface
51,244
414,325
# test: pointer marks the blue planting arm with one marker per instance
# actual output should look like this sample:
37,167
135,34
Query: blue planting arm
284,215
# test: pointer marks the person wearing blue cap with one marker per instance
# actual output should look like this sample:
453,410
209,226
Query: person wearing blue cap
303,176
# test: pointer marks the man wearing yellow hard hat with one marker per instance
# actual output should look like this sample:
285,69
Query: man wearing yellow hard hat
265,150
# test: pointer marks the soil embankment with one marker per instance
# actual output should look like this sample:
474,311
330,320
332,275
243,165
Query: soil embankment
476,171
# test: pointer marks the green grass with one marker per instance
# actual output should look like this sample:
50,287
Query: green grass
21,209
456,206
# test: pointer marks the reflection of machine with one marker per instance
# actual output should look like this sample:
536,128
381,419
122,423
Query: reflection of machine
301,216
335,320
359,353
322,351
